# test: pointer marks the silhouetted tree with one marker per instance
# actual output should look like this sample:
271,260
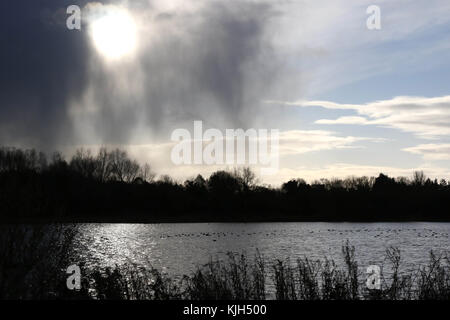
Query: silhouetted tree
419,178
123,169
383,182
223,182
247,177
294,186
146,173
84,163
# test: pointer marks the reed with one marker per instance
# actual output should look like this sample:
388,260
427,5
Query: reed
239,278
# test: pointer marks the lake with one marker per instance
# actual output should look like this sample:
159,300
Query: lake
177,248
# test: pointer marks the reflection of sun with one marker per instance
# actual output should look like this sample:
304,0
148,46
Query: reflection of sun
114,33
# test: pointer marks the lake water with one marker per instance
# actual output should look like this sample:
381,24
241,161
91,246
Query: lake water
178,248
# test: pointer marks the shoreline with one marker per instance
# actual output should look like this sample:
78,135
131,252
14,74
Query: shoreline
195,220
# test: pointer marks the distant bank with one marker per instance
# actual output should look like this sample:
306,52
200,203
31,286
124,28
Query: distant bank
110,187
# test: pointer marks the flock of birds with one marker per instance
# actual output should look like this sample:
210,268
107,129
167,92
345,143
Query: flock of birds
379,233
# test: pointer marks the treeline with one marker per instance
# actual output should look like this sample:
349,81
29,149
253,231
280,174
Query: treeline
110,186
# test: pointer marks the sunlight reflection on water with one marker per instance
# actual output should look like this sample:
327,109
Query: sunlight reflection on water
178,248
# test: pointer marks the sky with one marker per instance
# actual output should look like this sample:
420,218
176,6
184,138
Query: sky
347,100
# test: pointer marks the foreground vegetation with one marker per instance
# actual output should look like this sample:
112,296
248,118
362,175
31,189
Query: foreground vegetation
237,278
109,186
34,260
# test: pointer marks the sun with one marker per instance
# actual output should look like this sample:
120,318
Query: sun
114,33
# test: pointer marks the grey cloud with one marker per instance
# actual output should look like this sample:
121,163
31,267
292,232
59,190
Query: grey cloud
42,67
214,63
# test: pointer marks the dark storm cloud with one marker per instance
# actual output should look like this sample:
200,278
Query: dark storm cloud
42,67
213,64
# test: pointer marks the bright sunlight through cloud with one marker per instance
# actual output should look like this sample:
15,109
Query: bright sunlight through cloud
114,33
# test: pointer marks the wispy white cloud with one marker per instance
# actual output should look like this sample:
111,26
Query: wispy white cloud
425,117
344,120
431,151
302,141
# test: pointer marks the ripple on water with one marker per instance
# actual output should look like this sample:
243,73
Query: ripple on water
178,248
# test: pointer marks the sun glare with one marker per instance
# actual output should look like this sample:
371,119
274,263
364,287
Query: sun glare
114,34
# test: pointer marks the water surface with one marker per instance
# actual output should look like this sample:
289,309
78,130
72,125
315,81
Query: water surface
178,248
